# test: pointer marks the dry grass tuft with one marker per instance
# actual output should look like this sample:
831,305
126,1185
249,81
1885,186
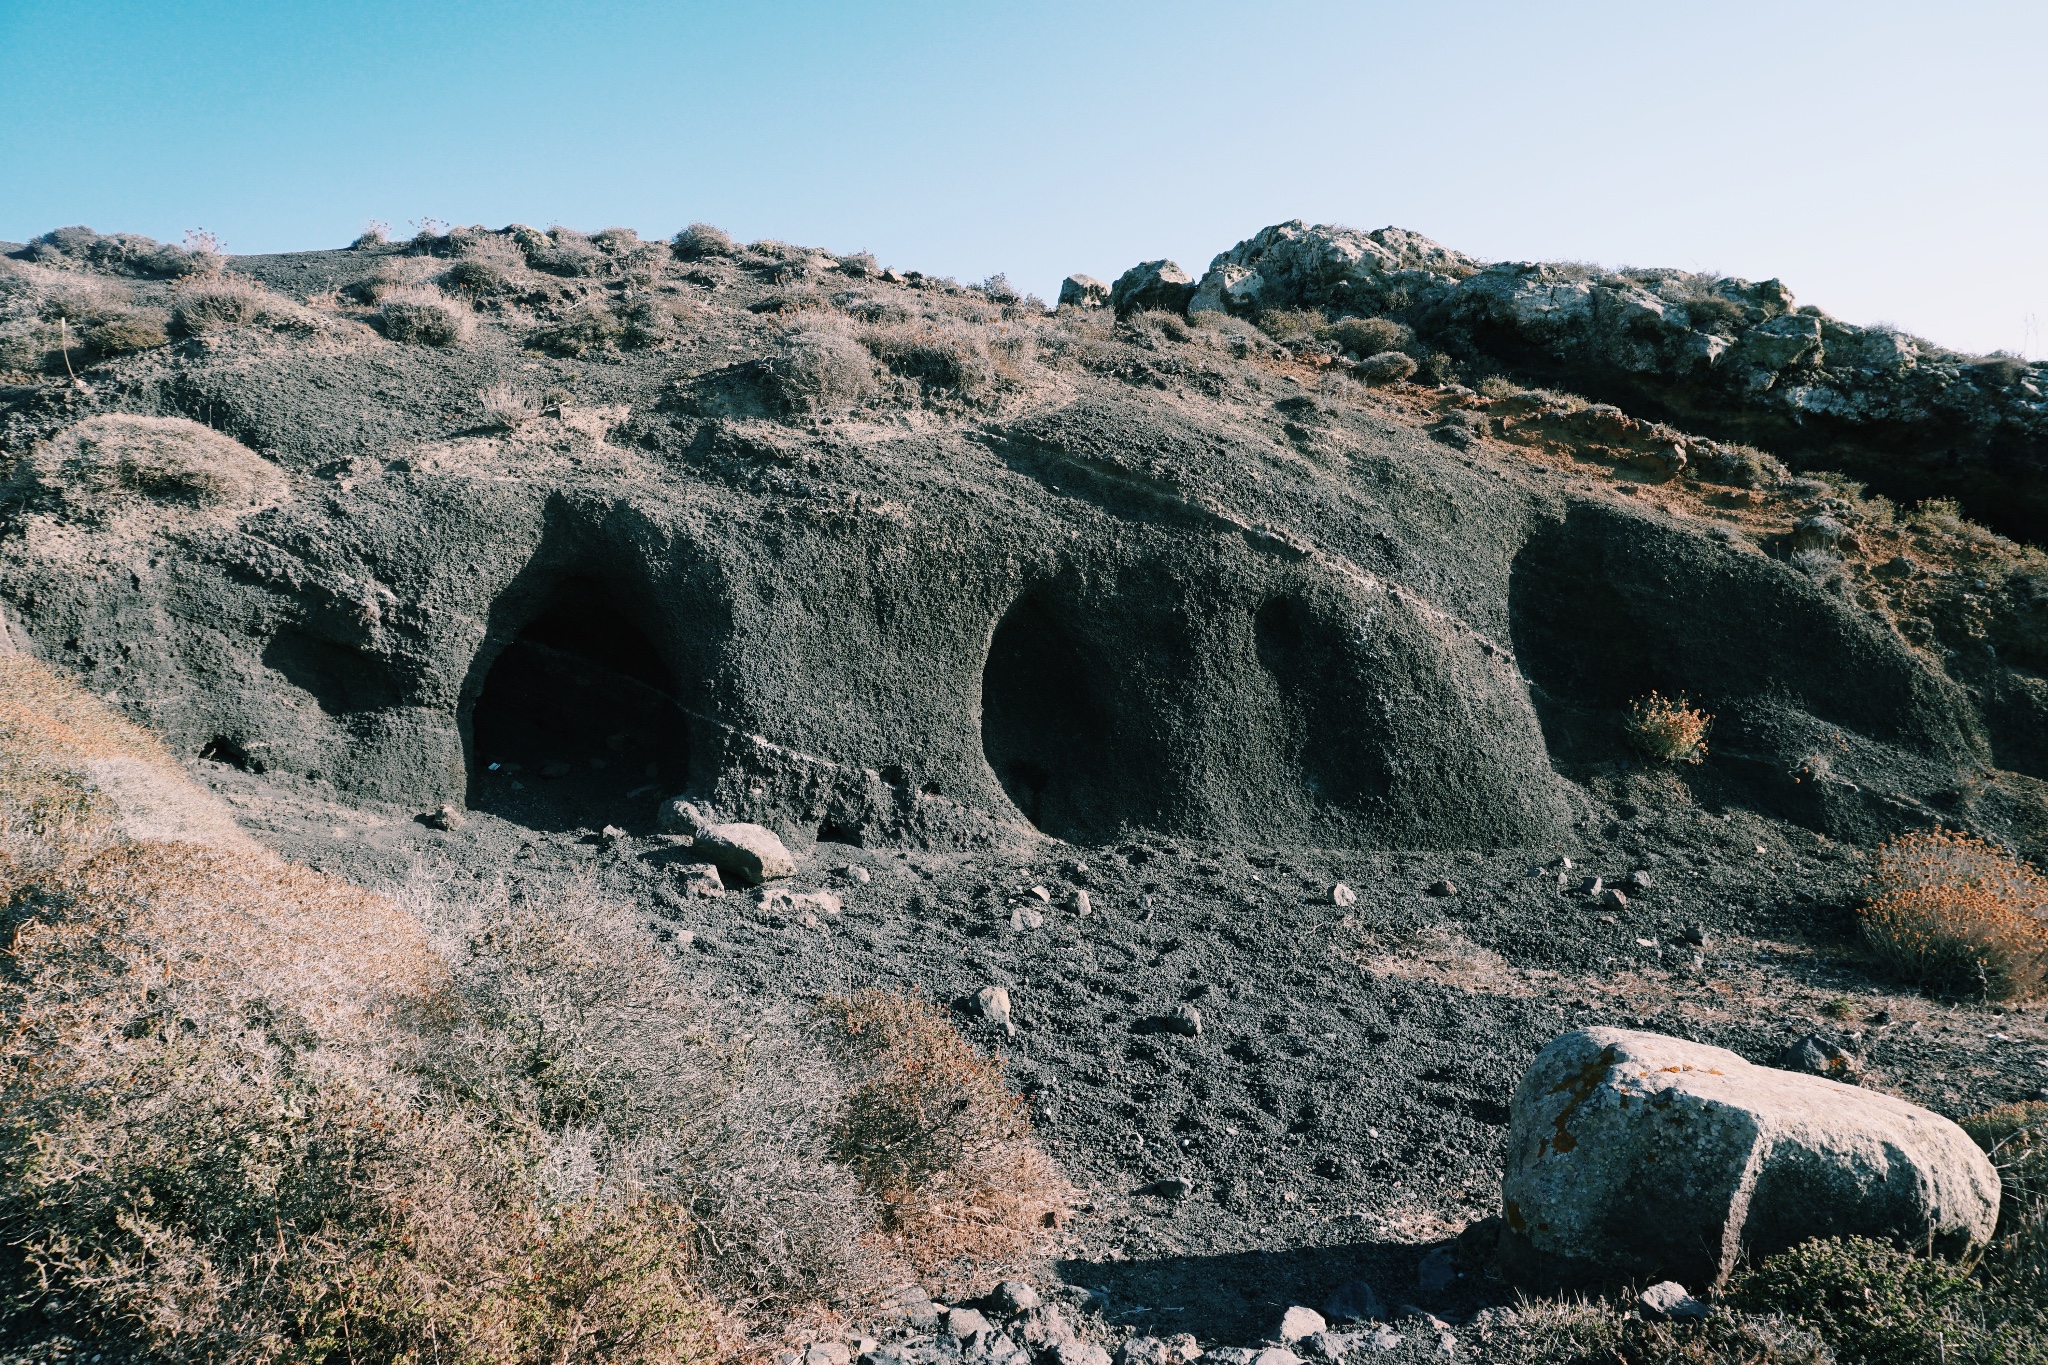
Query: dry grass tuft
505,408
932,1131
1668,729
425,317
96,463
224,303
1958,915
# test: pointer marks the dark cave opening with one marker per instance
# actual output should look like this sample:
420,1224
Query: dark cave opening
1044,729
1581,645
577,724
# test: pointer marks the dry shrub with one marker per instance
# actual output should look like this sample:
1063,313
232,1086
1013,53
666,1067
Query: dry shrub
820,369
1291,326
226,303
945,355
425,317
700,240
934,1133
505,408
94,463
1668,729
210,1145
1387,367
1369,336
124,334
1958,915
1602,1332
594,327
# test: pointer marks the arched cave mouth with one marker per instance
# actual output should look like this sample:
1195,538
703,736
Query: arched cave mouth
1581,645
577,725
1044,729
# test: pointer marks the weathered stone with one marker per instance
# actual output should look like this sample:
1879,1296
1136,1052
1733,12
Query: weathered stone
1668,1299
1179,1349
1816,1056
752,853
1173,1187
827,1353
993,1004
443,816
1637,1155
680,817
1014,1296
1354,1301
801,902
700,879
1443,888
1298,1322
1181,1019
1083,291
1083,907
1154,284
965,1322
1342,895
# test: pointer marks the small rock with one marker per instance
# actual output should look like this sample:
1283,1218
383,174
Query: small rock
1182,1019
1175,1350
1014,1296
827,1353
853,872
1044,896
1341,894
1298,1322
993,1003
1354,1301
1592,886
1611,899
1173,1187
801,902
1437,1271
700,879
1074,1351
965,1322
612,835
752,853
1082,905
1668,1299
1024,917
1696,935
1443,888
1043,1325
443,816
1083,291
685,938
1385,1338
1638,880
680,817
1816,1056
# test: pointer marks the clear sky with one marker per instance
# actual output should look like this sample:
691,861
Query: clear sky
1887,161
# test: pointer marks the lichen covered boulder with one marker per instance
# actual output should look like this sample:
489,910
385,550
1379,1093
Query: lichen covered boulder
1638,1156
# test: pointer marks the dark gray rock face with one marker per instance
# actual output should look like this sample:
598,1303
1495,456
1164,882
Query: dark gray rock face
1724,357
1019,572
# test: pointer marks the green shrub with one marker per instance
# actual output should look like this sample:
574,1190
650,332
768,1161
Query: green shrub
1599,1332
1875,1304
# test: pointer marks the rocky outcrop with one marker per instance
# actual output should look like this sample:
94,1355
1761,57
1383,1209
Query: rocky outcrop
1153,285
1726,357
1638,1156
1083,291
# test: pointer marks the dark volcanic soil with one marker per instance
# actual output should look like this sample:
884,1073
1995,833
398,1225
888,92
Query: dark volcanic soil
1342,1112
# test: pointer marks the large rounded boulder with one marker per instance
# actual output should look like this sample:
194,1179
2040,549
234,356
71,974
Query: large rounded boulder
1638,1156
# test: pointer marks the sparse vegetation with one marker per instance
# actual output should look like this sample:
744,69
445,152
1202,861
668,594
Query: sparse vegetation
505,408
410,1127
701,240
1369,336
1958,915
586,329
124,334
1291,326
104,461
227,303
425,317
1668,729
935,1135
1388,367
820,369
939,354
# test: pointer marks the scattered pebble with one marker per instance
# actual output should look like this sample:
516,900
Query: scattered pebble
1341,894
993,1003
1082,905
1443,888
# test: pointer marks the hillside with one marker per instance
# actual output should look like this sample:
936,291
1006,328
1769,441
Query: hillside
1266,643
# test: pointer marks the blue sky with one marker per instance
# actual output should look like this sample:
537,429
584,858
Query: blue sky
1888,161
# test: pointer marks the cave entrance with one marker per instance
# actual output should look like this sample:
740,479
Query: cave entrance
1043,727
577,724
